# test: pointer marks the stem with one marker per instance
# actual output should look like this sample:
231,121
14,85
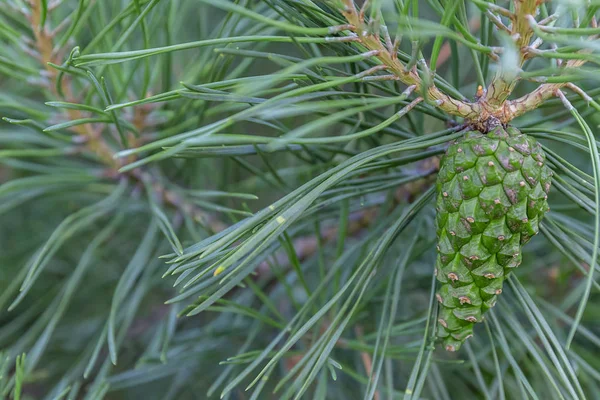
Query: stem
93,140
533,100
492,107
505,79
410,76
43,41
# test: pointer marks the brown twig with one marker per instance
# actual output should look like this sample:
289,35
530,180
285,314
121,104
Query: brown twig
93,140
533,100
44,44
492,106
477,113
409,77
502,86
505,80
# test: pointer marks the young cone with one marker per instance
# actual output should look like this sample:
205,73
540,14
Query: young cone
492,192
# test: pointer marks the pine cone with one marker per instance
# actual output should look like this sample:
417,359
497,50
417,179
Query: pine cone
492,192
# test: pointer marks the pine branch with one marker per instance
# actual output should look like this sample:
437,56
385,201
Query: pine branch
492,103
523,28
44,46
327,278
387,55
92,137
306,246
521,32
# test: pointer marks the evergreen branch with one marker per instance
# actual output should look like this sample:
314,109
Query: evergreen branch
44,45
306,246
536,98
93,138
521,32
409,76
523,28
492,103
291,108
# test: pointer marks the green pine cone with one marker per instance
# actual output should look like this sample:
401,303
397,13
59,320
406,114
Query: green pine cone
492,192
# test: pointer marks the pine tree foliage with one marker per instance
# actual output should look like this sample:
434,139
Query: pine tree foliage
218,198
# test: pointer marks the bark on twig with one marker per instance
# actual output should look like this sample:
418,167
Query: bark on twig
505,80
410,77
492,107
